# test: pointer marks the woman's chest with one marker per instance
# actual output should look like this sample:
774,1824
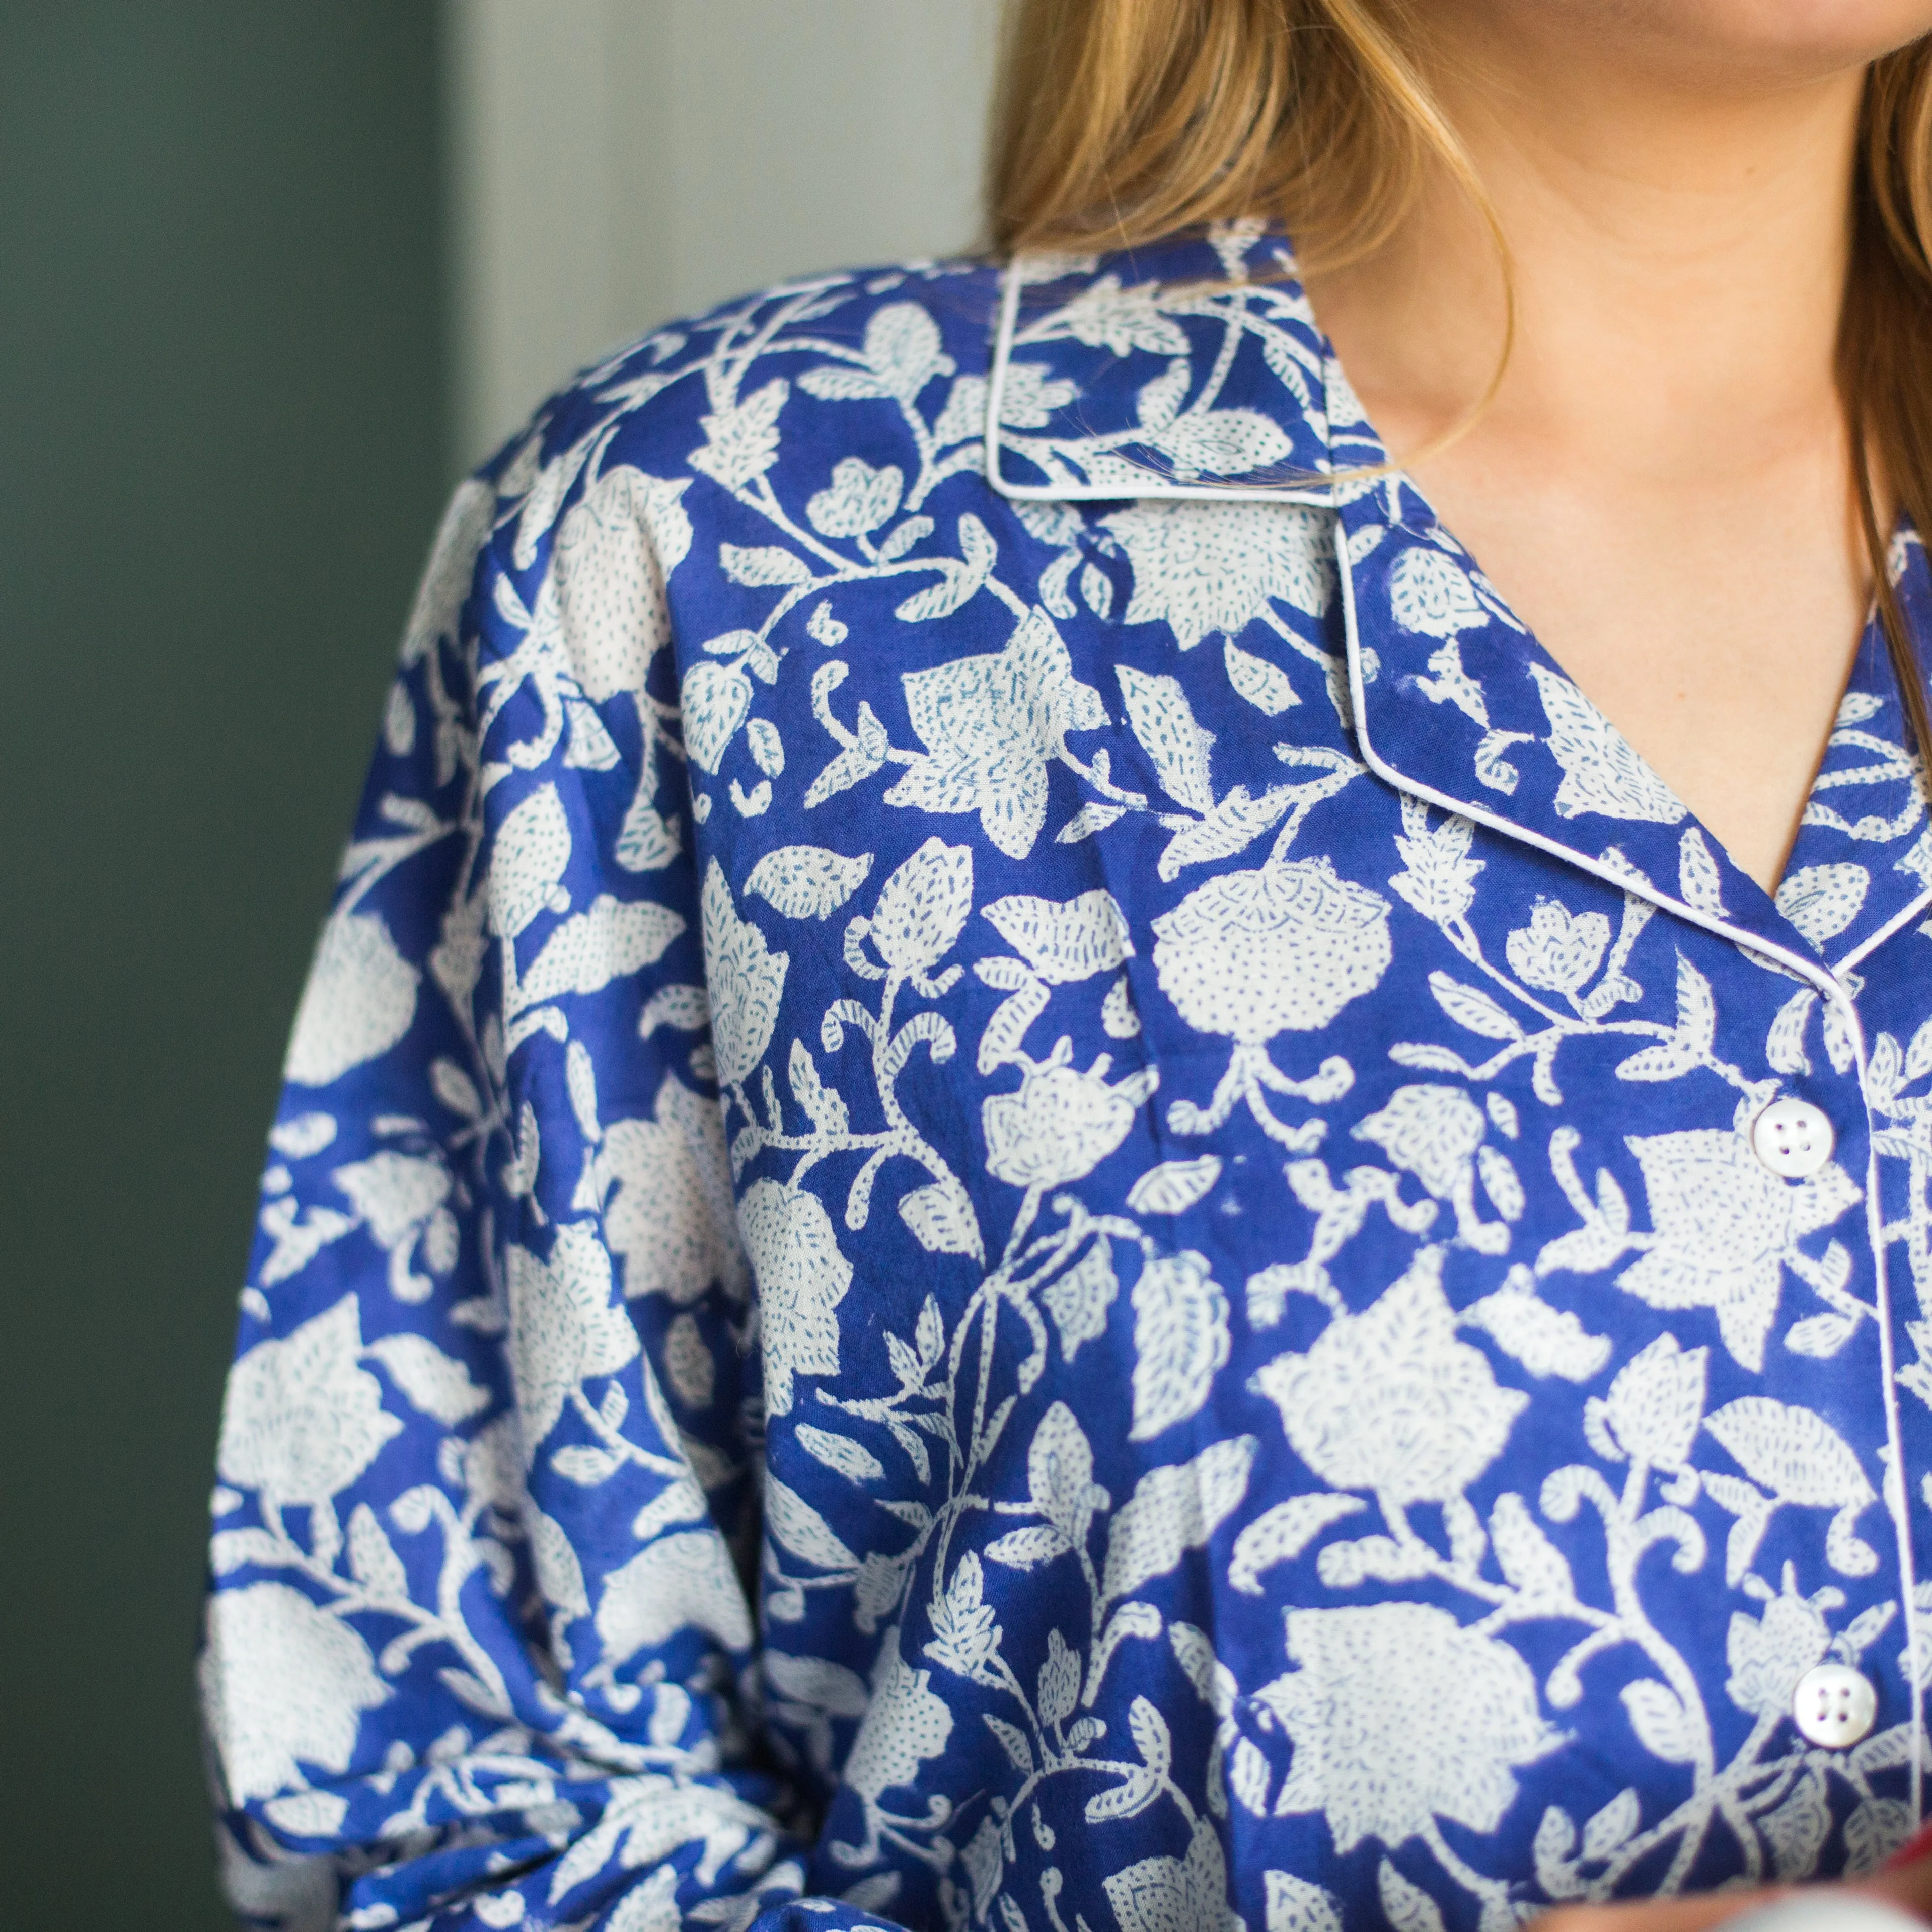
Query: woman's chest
1207,1202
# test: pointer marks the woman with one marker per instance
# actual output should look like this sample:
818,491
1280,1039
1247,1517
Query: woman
1036,1175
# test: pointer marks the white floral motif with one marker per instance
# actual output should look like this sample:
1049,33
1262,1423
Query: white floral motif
669,1213
905,1725
1204,567
303,1419
1391,1400
1432,593
907,1093
1060,1125
1434,1133
606,595
991,726
564,1325
1283,948
745,978
1601,772
1183,1894
285,1684
360,1000
802,1277
1400,1716
1726,1228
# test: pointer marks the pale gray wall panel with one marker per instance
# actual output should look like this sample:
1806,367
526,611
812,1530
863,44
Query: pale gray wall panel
614,162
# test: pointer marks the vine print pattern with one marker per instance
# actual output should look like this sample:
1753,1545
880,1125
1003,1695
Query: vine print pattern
1030,1206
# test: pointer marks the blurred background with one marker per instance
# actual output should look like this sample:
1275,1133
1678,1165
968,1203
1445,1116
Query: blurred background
272,277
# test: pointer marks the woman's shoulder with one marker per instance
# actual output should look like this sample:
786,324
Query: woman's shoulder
776,380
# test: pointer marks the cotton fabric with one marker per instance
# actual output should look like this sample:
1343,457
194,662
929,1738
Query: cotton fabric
1016,1189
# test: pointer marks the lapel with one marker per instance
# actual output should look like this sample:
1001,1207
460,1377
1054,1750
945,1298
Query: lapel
1195,369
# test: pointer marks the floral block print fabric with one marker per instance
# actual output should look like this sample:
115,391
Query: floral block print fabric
1017,1189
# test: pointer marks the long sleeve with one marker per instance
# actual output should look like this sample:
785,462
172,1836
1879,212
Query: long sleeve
479,1648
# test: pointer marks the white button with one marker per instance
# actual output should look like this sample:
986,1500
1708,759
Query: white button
1792,1138
1833,1705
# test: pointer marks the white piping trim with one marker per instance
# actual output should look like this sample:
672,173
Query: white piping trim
1319,495
1826,984
1898,1479
1867,946
1810,970
1824,978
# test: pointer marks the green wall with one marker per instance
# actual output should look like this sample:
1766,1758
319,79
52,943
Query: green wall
221,387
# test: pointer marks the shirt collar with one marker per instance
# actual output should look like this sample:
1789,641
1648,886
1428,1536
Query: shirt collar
1195,369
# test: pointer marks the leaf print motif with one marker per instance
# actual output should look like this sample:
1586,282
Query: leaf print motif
666,1184
1697,876
1295,1905
1390,1400
1601,771
1800,1458
745,978
1432,593
807,881
606,591
741,439
1400,1716
1204,568
1059,1475
262,1640
902,350
1181,1338
1407,1907
564,1326
1174,1186
1280,1534
717,697
1527,1557
1656,1404
802,1530
1266,686
586,952
1663,1726
360,999
1821,901
1163,721
1252,954
1163,1895
923,907
683,1581
435,1383
1546,1341
1064,941
762,564
802,1277
1174,1509
1104,315
1078,1300
1438,878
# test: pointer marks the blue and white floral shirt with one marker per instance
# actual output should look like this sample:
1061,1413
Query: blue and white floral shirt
1025,1185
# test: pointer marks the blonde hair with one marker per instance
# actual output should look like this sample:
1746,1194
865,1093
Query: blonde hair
1119,122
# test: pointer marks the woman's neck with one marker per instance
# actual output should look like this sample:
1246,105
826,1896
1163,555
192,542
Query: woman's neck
1678,253
1660,484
